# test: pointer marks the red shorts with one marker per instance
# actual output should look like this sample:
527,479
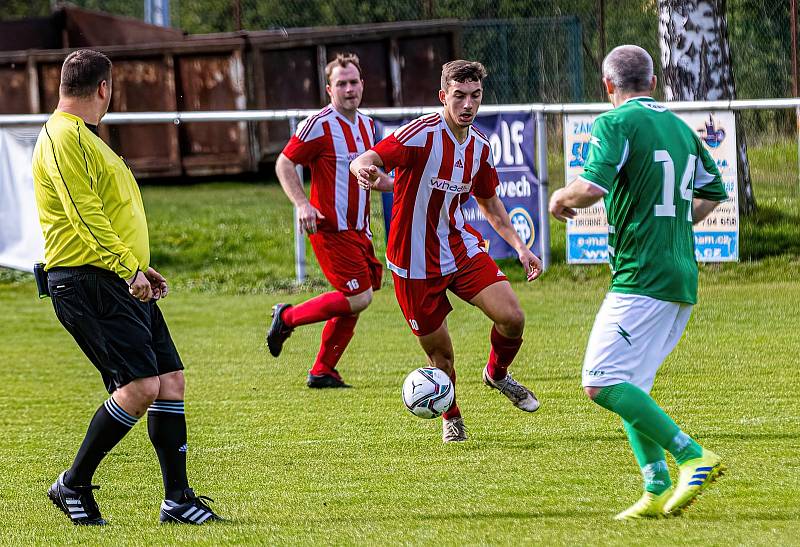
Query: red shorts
424,301
348,261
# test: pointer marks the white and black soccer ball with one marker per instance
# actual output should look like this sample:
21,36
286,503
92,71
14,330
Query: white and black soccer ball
428,392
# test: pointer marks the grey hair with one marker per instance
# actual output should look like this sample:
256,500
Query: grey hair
629,68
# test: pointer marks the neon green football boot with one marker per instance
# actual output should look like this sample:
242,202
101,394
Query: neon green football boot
649,506
695,475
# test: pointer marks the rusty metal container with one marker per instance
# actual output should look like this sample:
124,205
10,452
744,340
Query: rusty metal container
158,77
143,84
401,63
14,87
229,71
210,75
143,80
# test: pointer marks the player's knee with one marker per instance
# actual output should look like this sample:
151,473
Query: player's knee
172,386
360,302
591,392
140,393
512,324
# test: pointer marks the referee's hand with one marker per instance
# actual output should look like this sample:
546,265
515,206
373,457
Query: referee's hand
140,288
157,283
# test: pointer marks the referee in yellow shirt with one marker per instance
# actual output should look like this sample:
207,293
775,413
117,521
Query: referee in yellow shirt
104,293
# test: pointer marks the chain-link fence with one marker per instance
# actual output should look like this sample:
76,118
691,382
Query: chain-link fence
523,66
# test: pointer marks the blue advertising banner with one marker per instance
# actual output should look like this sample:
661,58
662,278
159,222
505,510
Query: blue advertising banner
512,137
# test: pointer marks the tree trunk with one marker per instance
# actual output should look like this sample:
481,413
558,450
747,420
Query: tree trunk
696,60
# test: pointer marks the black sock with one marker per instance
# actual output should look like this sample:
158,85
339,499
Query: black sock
109,424
166,424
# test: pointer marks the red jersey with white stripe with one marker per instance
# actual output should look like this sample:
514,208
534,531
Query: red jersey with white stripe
435,175
327,142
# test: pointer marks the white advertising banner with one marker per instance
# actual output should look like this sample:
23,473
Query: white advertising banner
716,239
21,240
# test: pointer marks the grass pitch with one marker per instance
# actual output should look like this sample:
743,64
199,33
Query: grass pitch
289,465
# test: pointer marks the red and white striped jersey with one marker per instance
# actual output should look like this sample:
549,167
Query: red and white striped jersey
435,176
327,142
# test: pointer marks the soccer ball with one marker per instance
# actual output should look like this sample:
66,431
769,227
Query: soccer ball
428,392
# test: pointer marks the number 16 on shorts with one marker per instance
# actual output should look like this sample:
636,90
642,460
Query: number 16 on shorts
352,284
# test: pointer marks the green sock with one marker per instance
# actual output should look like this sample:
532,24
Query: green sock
650,458
643,414
683,448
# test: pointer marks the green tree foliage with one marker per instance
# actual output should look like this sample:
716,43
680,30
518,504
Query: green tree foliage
20,9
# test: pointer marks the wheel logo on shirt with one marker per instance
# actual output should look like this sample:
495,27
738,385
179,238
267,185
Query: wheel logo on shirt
523,224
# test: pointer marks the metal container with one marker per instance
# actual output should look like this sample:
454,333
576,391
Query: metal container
276,69
401,63
210,75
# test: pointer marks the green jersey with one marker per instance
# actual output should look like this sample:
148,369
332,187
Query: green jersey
651,164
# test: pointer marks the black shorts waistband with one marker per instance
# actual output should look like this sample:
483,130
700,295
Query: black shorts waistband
59,273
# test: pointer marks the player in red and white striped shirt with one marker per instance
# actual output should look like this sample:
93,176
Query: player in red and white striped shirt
440,159
336,219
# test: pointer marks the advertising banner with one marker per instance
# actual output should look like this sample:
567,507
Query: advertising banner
716,238
21,239
512,137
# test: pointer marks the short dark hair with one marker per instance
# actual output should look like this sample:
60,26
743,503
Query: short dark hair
629,68
342,60
462,71
82,72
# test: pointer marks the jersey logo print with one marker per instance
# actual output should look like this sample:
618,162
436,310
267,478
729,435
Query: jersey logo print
450,186
625,334
459,163
657,107
595,141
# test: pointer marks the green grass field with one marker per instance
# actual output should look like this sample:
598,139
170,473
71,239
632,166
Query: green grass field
291,466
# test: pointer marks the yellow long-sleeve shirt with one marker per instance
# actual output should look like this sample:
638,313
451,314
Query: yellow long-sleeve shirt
89,204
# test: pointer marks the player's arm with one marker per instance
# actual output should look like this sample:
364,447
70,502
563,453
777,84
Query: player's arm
307,214
701,208
576,195
484,188
365,169
709,191
389,154
385,183
495,212
74,172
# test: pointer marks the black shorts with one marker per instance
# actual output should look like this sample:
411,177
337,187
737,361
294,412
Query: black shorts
125,339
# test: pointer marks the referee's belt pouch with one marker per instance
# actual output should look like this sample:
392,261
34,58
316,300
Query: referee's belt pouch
41,280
